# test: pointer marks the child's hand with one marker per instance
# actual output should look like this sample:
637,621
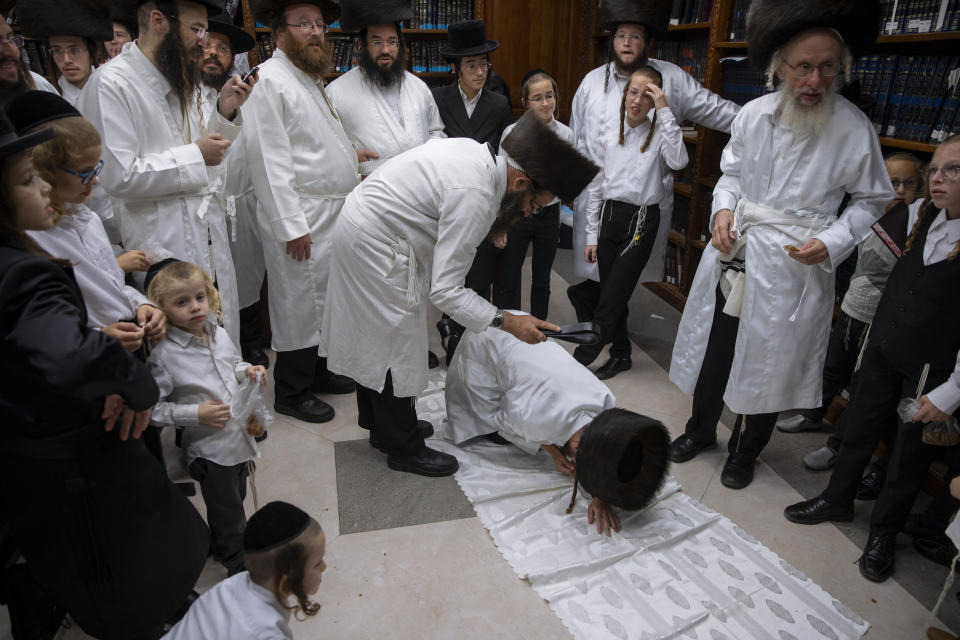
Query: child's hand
128,333
258,370
153,322
213,414
590,253
133,261
659,97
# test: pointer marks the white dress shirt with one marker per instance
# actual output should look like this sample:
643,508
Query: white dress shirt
43,84
562,130
469,103
629,175
234,609
942,237
79,237
188,373
69,91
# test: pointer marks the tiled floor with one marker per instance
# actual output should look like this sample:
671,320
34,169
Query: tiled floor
408,560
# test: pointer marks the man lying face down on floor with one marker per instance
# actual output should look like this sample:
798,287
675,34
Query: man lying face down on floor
537,397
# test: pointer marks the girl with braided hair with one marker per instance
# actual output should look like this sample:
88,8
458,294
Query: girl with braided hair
623,210
915,328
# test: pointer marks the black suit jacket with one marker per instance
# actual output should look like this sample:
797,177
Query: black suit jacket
490,117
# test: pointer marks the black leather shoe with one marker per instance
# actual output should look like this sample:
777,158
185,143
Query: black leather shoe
876,563
612,367
940,549
737,472
424,427
310,410
334,384
253,354
585,354
685,448
449,337
432,360
428,462
818,509
870,484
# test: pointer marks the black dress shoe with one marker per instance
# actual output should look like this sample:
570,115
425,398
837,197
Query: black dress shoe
253,354
432,360
334,384
940,550
818,509
685,448
870,484
876,563
737,472
423,427
586,354
449,337
612,367
427,462
310,410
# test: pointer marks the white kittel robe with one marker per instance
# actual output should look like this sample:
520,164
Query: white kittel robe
531,394
409,230
156,175
302,166
787,306
595,113
371,122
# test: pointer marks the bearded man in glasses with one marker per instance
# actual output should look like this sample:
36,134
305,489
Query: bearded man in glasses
15,78
163,147
755,328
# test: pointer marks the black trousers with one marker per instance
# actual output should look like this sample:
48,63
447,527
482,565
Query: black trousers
943,506
751,433
543,231
295,373
224,489
620,269
846,338
483,271
879,387
392,420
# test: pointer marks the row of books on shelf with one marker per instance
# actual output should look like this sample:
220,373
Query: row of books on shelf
690,55
264,46
440,14
917,97
741,82
37,57
738,20
425,57
681,212
345,54
919,16
672,269
690,11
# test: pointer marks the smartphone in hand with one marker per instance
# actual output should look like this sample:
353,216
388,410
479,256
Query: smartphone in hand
251,73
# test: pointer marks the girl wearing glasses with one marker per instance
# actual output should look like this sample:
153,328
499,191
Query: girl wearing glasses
623,208
542,229
70,162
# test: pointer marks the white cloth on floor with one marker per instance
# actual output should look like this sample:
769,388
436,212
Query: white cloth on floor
675,570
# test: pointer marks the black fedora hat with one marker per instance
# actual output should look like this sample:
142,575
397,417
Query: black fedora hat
33,108
125,13
240,40
361,14
11,143
467,38
214,7
41,19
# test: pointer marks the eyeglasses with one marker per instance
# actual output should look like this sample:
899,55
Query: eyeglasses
198,30
87,176
73,52
547,97
906,184
308,27
473,67
803,70
628,37
14,40
947,173
392,43
222,49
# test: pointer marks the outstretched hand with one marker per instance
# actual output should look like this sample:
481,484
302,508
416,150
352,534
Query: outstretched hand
527,328
602,514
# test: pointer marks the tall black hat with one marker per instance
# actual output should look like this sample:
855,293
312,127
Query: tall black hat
274,525
33,108
11,143
623,458
360,14
551,162
467,38
214,7
240,40
125,12
652,14
265,10
772,23
41,19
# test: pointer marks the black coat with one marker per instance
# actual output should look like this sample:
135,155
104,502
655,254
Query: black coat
490,117
104,532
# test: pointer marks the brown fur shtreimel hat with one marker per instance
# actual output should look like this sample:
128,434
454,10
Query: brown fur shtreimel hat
551,162
772,23
41,19
264,11
652,14
360,14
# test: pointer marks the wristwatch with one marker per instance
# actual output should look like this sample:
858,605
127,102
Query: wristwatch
497,321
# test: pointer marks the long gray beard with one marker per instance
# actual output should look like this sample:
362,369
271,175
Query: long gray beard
800,118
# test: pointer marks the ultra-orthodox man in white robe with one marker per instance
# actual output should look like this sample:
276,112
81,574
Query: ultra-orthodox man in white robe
371,120
156,176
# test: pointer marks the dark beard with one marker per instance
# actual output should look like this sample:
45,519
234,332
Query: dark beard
10,90
314,64
178,67
511,210
628,69
380,76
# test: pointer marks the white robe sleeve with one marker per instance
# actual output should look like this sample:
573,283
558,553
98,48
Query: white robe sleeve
704,107
270,156
435,126
165,412
594,202
460,230
946,397
578,117
727,192
673,151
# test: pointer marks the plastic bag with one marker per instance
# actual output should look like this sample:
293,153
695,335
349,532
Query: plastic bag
249,409
941,434
155,253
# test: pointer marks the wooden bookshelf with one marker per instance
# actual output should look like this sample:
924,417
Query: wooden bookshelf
908,145
691,26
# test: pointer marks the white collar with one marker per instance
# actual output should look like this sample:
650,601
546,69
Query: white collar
464,95
183,338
